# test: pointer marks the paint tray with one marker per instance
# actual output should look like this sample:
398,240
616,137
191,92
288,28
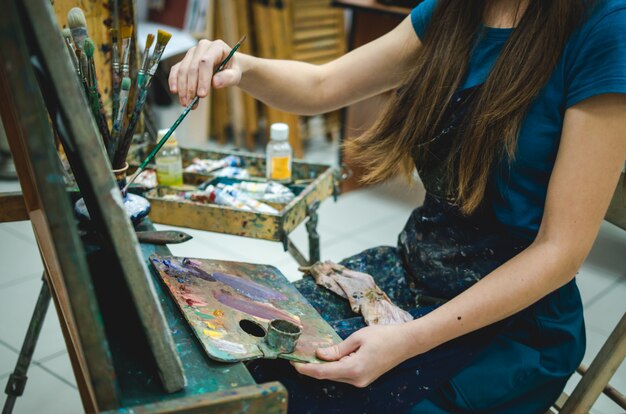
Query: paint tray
229,306
316,181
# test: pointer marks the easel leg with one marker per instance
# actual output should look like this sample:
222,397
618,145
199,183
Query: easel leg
314,237
17,380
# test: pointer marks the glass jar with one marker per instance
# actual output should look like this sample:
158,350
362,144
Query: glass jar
169,162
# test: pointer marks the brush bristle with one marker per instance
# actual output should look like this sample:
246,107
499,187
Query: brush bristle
76,18
89,47
127,31
126,84
163,37
149,41
114,35
67,33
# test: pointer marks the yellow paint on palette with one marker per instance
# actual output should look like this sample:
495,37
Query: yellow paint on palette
212,334
210,325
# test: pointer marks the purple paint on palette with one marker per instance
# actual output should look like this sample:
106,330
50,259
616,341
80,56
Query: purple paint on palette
248,288
260,310
180,270
192,267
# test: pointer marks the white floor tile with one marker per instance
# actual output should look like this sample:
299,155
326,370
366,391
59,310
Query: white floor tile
61,366
18,257
8,358
21,229
357,210
19,301
46,393
604,314
607,255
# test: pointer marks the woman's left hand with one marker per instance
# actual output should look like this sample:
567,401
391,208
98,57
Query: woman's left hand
363,356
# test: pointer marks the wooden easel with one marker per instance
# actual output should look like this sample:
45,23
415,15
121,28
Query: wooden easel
116,323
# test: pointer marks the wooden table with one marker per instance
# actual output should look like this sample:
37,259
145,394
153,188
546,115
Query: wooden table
370,20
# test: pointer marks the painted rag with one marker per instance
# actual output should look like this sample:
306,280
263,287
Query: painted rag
364,295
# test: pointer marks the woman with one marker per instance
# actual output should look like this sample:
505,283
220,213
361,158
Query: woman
513,112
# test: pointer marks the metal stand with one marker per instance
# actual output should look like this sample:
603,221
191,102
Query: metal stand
17,380
314,239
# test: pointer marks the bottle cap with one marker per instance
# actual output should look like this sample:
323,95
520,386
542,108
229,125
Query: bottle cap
279,131
171,141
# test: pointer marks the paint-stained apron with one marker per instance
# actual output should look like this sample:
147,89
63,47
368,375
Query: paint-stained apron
519,365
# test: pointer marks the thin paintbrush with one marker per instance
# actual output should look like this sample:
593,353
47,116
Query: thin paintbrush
144,61
127,32
95,102
115,70
178,121
163,38
119,117
78,26
67,35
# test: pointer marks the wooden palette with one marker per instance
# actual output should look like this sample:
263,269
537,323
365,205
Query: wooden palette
229,305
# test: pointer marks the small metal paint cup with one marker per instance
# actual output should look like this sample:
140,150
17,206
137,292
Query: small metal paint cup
282,335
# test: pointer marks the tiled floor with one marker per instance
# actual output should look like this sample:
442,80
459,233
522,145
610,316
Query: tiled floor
357,221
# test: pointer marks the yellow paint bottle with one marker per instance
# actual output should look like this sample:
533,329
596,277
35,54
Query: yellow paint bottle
279,154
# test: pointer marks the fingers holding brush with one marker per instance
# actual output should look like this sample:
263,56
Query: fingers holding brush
194,75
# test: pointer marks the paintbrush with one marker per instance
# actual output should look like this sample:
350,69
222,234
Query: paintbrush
144,61
67,35
127,32
83,65
163,38
78,26
115,71
119,117
95,102
180,119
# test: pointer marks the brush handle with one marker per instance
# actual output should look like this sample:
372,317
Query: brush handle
182,116
119,117
158,147
73,57
123,146
156,59
125,57
115,76
118,122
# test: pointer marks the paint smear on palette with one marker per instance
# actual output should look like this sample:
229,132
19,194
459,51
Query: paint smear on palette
249,288
212,334
229,346
193,300
174,268
260,310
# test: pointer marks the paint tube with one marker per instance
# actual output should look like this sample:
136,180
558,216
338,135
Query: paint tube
232,172
208,165
270,192
249,201
219,196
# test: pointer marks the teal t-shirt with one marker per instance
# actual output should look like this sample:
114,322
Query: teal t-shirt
593,63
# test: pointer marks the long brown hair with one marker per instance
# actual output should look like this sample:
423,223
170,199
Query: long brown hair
405,130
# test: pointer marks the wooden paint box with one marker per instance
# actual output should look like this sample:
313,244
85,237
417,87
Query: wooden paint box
314,184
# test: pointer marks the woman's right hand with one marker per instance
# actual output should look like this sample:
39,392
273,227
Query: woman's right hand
193,76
